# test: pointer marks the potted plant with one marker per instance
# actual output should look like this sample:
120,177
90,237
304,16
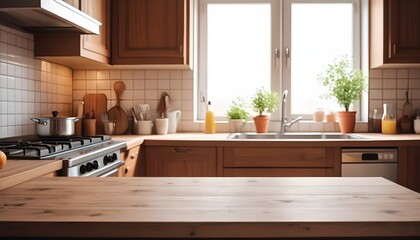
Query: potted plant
264,101
345,85
237,115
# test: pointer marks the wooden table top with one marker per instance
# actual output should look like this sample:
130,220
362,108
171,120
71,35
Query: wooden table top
209,207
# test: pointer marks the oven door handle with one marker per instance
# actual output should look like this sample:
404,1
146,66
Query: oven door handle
110,173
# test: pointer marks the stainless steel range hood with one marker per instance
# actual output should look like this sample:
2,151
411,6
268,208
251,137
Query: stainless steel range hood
46,15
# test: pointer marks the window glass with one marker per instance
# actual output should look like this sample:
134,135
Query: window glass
319,34
238,54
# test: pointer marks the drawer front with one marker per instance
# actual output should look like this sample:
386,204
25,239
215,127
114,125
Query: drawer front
278,157
181,161
131,158
277,172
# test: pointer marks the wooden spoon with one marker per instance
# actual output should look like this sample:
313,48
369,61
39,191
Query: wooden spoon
116,113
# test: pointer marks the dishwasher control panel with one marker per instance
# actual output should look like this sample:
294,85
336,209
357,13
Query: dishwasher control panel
369,155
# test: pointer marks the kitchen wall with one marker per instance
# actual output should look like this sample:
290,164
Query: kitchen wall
28,87
146,86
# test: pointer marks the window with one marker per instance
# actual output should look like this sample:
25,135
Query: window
316,33
235,54
242,46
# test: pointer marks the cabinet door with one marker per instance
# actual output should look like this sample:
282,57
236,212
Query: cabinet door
180,162
73,49
150,32
131,159
402,33
97,46
413,169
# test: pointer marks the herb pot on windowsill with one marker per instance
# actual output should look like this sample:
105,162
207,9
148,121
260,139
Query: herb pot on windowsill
237,114
264,101
346,85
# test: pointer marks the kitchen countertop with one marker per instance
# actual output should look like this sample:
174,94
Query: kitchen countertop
209,207
18,171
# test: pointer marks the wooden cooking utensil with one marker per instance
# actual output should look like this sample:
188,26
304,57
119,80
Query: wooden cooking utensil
95,105
117,114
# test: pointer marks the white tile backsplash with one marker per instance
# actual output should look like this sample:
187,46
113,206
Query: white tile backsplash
29,87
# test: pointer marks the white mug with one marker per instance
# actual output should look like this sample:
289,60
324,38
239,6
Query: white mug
417,125
173,117
162,126
144,127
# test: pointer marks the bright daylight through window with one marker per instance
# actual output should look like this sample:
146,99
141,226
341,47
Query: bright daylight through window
238,41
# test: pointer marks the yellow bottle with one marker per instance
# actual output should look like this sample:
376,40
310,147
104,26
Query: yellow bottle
210,121
389,121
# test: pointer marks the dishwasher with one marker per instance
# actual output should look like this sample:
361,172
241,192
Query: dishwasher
370,162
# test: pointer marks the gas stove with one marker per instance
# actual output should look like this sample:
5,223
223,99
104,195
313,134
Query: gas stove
81,156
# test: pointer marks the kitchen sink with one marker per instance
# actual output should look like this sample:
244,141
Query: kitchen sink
292,136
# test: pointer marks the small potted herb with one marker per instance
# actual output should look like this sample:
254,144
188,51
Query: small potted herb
264,101
237,115
345,85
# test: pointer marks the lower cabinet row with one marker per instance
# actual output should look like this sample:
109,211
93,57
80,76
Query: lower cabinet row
238,162
189,161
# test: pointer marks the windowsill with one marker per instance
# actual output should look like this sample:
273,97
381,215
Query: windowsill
301,126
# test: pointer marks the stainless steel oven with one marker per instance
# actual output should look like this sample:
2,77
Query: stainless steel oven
93,156
370,162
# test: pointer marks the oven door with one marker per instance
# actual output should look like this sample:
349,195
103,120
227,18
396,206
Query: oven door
112,173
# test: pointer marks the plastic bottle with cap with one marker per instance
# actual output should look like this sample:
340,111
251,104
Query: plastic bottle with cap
210,120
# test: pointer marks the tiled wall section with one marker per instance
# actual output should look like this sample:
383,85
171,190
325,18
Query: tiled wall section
28,87
390,86
142,86
146,86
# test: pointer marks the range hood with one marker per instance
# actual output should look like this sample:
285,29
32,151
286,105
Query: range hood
46,15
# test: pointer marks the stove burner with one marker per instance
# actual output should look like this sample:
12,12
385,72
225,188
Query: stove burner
41,148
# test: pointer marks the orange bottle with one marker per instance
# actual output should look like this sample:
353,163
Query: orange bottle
210,120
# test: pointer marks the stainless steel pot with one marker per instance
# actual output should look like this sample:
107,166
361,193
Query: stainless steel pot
55,126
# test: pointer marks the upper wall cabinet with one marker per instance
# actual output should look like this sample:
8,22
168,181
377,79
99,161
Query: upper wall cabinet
74,50
150,32
394,33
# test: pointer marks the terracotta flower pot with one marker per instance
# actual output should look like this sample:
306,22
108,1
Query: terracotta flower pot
261,123
347,121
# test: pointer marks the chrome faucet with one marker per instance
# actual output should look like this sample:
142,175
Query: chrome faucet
283,119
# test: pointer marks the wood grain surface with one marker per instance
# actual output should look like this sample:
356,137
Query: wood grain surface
95,104
18,171
117,114
209,207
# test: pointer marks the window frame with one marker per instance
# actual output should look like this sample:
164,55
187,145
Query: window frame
286,35
280,78
201,51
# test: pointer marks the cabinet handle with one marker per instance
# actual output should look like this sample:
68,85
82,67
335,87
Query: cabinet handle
133,156
276,57
181,49
394,48
182,150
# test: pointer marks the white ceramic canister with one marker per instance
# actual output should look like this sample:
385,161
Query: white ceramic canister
173,117
417,125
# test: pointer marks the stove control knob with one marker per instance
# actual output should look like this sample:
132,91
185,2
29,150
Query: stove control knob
95,164
114,157
82,169
106,160
89,167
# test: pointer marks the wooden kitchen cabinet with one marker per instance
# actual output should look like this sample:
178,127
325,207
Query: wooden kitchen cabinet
185,161
150,32
280,162
131,162
394,33
75,50
413,168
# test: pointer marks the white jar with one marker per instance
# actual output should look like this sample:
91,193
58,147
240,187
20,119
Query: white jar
417,125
